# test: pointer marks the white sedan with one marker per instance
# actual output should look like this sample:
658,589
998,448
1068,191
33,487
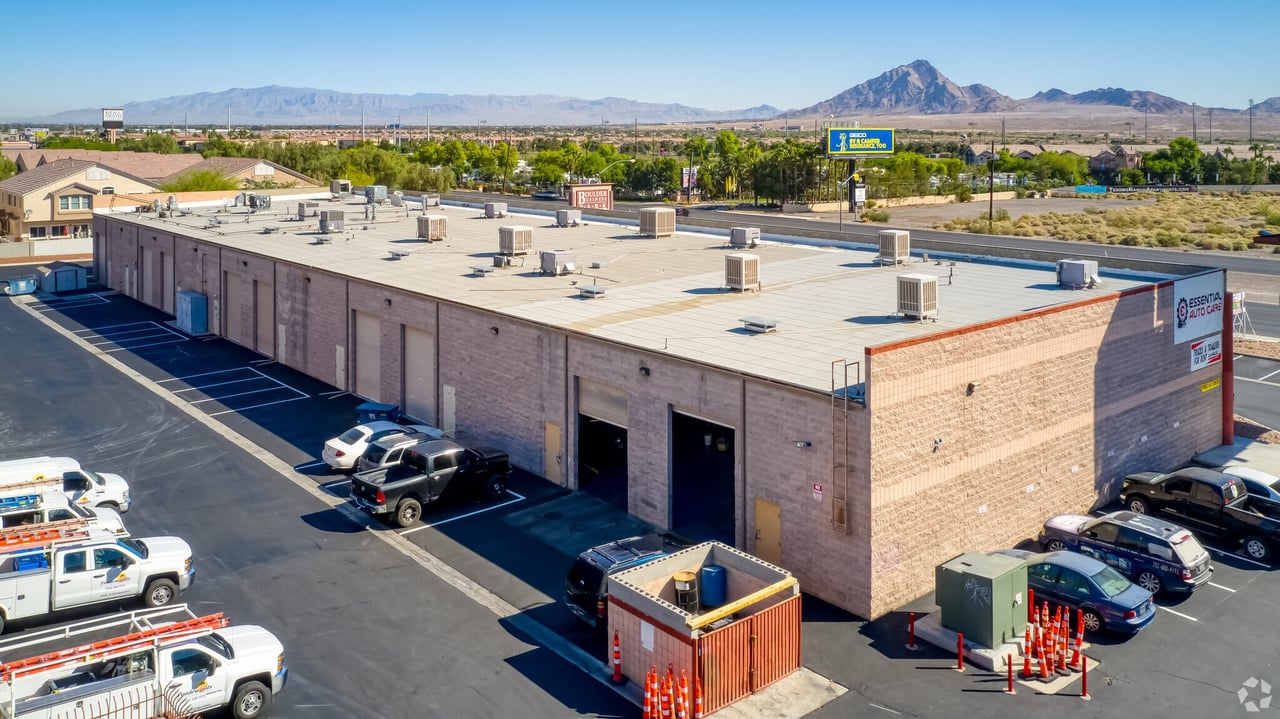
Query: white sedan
343,451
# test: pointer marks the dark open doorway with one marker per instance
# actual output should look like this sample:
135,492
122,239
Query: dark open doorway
602,460
702,480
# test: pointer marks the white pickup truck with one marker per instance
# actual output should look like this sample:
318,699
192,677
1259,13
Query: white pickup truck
32,510
91,489
150,664
44,571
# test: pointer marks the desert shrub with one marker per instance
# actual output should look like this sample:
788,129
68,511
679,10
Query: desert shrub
876,215
1206,243
871,204
1020,193
1275,250
1164,238
1240,245
1131,241
1272,217
963,194
1216,228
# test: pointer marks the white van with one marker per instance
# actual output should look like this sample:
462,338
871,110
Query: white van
92,489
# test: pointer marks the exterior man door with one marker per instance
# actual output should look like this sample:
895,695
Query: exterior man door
768,532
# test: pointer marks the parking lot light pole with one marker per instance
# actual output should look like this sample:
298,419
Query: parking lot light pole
843,184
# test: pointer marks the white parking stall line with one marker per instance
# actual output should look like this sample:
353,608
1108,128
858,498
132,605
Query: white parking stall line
518,498
150,344
151,335
236,394
1219,586
1184,616
1233,555
57,304
312,464
98,330
334,484
255,406
282,384
1268,375
216,384
139,327
1256,381
202,374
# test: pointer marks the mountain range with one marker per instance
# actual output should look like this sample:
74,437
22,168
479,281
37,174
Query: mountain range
917,88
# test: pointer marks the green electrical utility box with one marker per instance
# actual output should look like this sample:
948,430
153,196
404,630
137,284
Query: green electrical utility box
983,597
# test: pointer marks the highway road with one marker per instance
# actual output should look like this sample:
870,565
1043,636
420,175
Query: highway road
960,242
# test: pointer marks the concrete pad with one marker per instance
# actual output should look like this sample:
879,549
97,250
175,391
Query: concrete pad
1059,683
577,522
795,696
1243,453
929,628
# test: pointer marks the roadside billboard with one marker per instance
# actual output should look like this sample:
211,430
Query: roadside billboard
112,118
856,141
1198,305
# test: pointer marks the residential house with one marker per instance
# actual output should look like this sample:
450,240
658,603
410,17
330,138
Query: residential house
150,166
56,200
249,172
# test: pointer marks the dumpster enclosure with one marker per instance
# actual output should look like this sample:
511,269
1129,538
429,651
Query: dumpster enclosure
711,611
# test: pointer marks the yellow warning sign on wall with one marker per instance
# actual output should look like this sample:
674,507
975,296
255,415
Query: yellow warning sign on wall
1211,384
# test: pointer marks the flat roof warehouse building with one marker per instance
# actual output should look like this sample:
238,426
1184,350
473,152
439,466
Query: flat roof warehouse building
853,446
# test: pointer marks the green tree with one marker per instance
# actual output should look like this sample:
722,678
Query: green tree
200,181
422,178
8,168
161,142
1185,154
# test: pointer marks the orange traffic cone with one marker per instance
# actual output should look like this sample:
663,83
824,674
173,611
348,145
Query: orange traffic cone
1044,667
1026,642
697,697
666,700
1044,615
1075,657
686,702
1026,665
648,695
617,659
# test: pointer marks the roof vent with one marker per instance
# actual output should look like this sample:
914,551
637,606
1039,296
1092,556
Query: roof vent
432,228
657,222
559,262
495,209
895,247
568,218
1078,274
744,237
742,272
514,239
918,296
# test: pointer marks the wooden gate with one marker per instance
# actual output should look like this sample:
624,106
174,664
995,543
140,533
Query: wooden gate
749,655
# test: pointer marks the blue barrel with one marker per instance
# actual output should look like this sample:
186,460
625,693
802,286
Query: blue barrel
715,585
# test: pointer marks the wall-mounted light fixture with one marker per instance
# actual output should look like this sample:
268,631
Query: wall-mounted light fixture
388,301
803,443
937,443
973,387
244,262
308,279
644,370
494,329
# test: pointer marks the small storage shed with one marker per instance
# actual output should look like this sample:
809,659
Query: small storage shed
61,277
718,614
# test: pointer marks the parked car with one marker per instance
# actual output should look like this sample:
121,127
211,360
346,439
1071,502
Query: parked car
1209,502
342,452
1155,553
1257,482
427,472
546,195
586,587
388,451
1106,599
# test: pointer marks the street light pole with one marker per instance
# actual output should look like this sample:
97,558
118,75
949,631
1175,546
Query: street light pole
843,185
991,187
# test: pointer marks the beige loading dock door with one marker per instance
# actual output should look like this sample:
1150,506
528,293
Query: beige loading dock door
166,262
146,289
368,342
605,403
264,318
418,388
231,306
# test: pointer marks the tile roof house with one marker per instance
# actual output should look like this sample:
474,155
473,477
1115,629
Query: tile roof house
56,199
249,172
152,166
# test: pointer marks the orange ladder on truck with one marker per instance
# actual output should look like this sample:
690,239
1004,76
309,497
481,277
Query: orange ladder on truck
114,646
19,538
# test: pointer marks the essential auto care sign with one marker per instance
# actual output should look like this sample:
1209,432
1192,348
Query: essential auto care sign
1198,304
1206,352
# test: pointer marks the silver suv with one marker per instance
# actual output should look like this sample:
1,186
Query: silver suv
387,451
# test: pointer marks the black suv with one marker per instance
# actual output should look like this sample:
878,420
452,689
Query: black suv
586,588
1153,553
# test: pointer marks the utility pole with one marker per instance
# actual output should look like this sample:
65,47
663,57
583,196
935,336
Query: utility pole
1211,125
991,186
1002,142
362,123
1194,137
428,124
228,120
1145,110
1251,121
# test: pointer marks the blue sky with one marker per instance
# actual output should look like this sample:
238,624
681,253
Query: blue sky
714,55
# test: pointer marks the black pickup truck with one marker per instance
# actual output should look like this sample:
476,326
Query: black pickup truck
1208,502
428,471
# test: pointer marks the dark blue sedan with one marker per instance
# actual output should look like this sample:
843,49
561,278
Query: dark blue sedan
1108,600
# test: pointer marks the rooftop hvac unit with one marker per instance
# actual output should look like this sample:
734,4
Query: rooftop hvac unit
375,193
308,209
657,222
340,187
432,228
1075,274
895,247
242,199
495,209
918,296
743,237
331,221
559,262
568,218
397,199
742,271
515,240
259,202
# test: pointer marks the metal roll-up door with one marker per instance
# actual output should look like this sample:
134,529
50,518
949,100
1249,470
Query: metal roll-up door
231,307
419,369
368,342
605,403
265,317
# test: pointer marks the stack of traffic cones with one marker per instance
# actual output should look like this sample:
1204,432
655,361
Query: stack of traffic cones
697,697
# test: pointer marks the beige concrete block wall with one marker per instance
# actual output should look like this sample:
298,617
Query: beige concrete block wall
244,269
151,286
122,254
829,564
1065,403
506,384
401,310
670,384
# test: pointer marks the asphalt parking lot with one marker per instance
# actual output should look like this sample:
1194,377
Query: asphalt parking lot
1258,389
350,610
